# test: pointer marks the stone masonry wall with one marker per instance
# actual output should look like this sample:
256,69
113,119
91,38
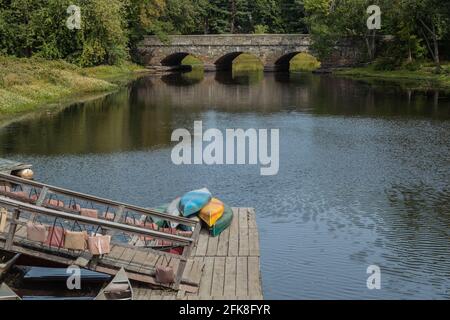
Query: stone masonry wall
269,48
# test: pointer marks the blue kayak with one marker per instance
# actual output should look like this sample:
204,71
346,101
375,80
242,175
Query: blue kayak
193,201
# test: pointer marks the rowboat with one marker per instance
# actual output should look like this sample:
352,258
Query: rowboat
60,275
6,293
212,212
7,260
172,209
118,289
193,201
223,223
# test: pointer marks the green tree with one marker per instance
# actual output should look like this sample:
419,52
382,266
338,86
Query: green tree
103,31
143,17
38,27
434,19
292,15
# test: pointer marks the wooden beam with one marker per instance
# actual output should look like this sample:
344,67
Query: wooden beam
98,222
149,212
12,229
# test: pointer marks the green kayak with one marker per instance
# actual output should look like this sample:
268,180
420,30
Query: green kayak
159,222
163,223
223,223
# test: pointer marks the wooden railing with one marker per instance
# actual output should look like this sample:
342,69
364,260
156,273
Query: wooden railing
26,208
48,189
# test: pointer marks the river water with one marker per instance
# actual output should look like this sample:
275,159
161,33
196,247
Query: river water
364,176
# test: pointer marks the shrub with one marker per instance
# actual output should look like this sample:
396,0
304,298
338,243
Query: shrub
386,64
261,29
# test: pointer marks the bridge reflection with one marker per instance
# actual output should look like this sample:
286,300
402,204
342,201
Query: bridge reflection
144,114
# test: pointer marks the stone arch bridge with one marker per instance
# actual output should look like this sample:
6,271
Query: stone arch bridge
218,51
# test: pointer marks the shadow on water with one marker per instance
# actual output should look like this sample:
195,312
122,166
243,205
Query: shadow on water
184,78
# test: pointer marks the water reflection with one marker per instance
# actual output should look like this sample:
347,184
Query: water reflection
142,115
184,78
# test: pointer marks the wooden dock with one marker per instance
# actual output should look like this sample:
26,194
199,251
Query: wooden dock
230,264
223,267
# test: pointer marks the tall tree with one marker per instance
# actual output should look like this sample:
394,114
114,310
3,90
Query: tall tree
433,17
292,15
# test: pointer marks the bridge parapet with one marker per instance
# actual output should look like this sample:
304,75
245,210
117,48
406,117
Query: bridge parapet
230,40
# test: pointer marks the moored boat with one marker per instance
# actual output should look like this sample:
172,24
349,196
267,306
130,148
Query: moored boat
223,223
6,293
212,212
7,260
118,289
172,209
193,201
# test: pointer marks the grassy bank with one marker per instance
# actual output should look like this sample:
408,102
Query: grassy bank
423,77
303,62
247,63
27,84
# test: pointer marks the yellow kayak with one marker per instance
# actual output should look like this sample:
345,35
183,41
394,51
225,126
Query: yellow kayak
212,211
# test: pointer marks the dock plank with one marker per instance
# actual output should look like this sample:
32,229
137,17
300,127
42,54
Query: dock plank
254,281
230,276
139,258
116,252
243,232
241,276
233,245
218,276
212,246
188,269
197,270
252,218
127,255
206,280
202,244
222,247
253,242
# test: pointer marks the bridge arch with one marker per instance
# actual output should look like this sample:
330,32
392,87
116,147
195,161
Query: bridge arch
283,62
175,59
225,62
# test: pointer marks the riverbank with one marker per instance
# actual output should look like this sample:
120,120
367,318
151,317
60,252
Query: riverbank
424,77
26,84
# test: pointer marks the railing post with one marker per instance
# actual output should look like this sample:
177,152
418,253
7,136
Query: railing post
185,256
12,229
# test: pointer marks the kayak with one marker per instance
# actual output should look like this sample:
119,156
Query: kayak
193,201
172,209
118,289
160,222
6,293
212,212
223,223
183,227
163,223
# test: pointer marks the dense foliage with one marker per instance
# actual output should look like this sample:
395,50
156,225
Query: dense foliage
417,27
111,29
